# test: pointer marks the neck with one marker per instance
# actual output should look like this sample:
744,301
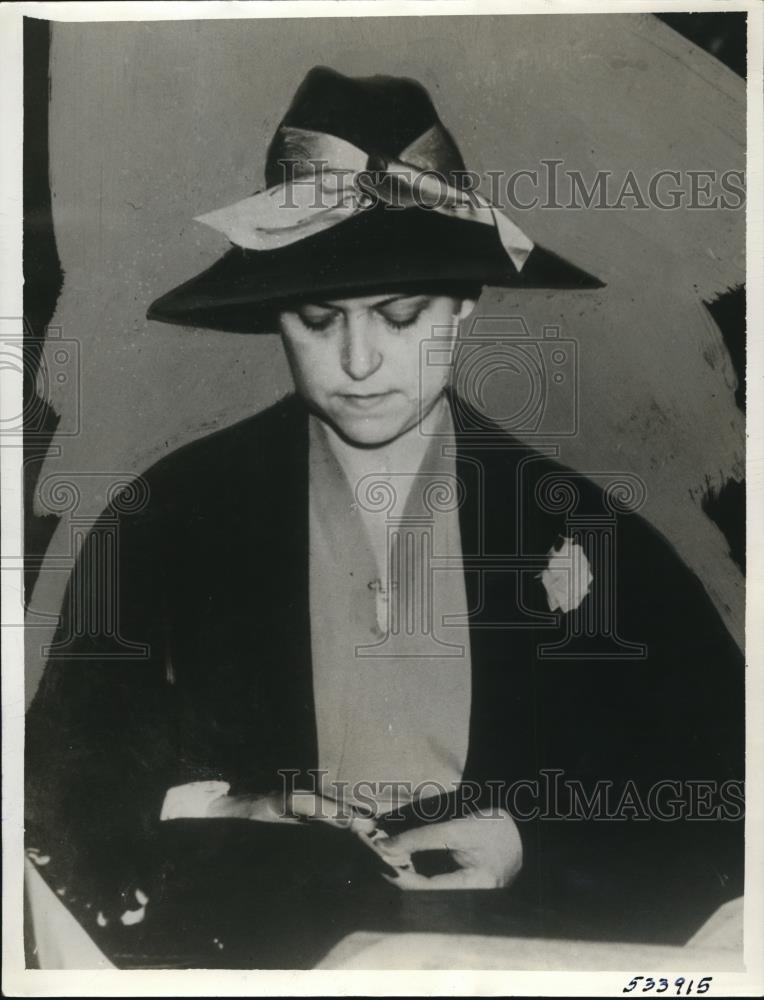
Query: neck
402,454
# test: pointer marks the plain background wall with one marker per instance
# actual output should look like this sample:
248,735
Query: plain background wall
154,123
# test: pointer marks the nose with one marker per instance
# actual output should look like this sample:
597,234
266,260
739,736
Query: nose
361,356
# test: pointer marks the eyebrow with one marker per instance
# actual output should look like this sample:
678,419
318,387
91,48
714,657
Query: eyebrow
373,305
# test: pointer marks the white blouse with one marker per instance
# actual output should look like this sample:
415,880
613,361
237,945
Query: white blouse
390,641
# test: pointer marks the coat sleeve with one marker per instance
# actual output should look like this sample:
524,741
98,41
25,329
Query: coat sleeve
98,756
661,732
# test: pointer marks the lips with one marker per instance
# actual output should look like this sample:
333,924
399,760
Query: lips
365,401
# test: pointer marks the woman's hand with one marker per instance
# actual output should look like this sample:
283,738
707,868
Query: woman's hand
275,807
486,847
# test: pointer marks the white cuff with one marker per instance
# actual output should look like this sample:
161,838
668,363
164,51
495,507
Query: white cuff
191,801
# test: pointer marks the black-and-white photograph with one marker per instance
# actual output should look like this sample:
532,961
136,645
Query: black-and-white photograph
383,441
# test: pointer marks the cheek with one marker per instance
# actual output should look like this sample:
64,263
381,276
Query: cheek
417,357
311,362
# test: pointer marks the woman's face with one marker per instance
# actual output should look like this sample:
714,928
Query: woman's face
362,365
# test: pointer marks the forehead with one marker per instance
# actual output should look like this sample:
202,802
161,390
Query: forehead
353,302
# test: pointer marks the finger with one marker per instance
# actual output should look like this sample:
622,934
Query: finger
407,880
393,856
367,827
367,831
464,878
266,809
309,806
425,838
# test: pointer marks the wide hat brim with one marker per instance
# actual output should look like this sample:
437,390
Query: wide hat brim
377,250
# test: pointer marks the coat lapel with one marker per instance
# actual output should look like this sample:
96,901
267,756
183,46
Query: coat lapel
498,532
282,535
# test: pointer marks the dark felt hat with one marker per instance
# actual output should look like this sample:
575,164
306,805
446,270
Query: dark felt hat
400,218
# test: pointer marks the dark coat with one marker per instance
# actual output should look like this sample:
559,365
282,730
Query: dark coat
213,579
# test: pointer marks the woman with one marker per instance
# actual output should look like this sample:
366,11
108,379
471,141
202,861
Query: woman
356,605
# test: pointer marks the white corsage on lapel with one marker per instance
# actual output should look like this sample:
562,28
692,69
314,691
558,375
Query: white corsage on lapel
568,577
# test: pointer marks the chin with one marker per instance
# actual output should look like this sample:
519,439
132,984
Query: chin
368,433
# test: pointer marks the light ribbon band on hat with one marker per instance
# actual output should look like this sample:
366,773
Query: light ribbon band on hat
339,188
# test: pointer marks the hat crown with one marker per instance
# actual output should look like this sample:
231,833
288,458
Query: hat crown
281,252
381,115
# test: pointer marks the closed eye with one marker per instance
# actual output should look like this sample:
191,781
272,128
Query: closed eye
402,313
315,318
396,313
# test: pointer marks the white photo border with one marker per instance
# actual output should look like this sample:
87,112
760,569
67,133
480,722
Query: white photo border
18,981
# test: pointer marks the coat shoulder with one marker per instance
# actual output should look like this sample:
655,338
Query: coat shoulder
594,507
241,457
231,446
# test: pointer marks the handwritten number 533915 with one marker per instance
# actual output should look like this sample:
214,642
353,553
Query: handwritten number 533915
683,986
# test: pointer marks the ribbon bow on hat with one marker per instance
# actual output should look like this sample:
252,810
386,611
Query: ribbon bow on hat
332,180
